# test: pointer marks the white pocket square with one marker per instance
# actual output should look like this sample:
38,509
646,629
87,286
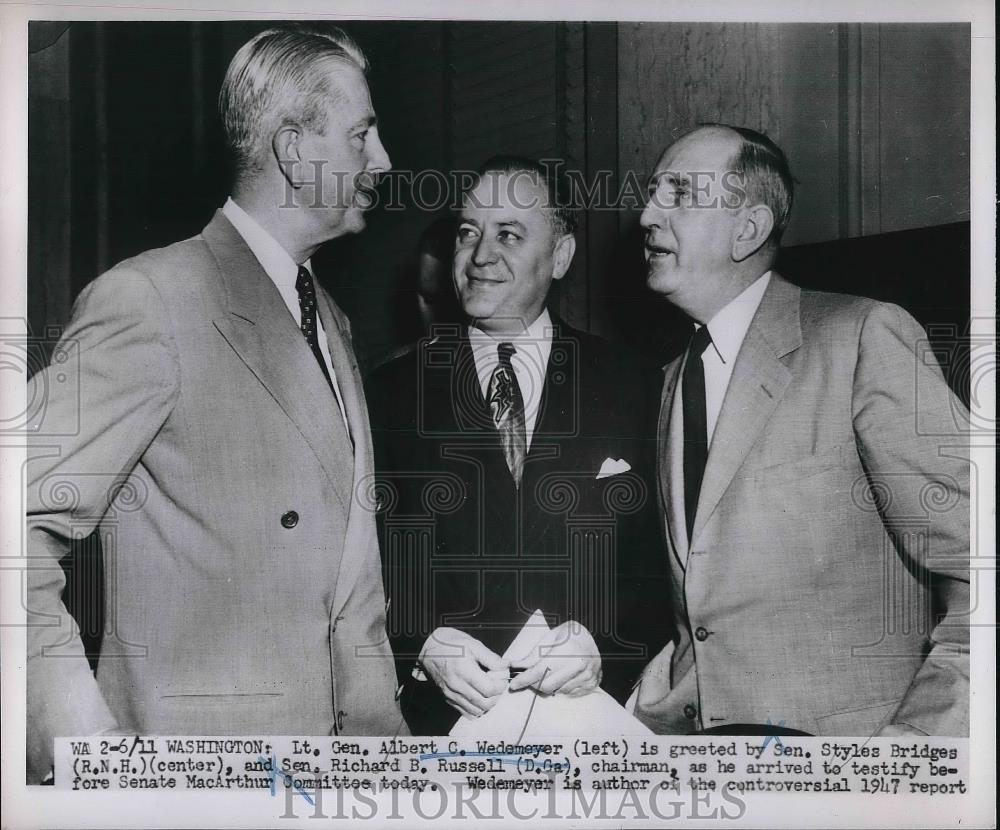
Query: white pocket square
613,466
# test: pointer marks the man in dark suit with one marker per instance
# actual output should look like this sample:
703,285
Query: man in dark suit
217,441
515,456
812,479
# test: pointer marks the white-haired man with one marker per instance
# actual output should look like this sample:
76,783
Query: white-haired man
222,433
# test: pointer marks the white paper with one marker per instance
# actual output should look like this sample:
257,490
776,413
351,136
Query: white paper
526,714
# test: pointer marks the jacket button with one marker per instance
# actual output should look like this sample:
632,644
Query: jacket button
289,519
701,634
690,712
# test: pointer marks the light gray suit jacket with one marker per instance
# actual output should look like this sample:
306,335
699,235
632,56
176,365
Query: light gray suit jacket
825,586
190,423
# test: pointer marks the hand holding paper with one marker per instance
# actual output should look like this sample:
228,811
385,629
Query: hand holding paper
565,661
470,676
526,713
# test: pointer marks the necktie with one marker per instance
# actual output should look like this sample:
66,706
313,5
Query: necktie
307,305
507,409
695,423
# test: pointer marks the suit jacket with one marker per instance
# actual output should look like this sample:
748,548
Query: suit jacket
463,547
825,586
191,424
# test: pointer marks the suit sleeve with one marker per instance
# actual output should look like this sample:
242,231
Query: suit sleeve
108,391
385,403
906,426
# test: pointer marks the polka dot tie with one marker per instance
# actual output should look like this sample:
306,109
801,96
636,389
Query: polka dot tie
307,305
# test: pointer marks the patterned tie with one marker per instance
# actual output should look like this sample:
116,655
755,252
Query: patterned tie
507,409
695,423
307,305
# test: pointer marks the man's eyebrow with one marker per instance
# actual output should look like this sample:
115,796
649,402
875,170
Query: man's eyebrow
505,222
513,222
368,121
673,178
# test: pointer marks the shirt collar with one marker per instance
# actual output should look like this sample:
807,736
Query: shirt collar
539,332
730,325
273,258
532,345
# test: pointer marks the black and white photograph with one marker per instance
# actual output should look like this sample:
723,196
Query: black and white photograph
522,415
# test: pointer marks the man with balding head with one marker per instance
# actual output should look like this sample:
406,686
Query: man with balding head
217,442
818,540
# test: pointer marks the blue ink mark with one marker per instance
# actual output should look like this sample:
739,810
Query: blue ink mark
501,757
272,773
776,738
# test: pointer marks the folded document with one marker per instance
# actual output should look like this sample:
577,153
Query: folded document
525,713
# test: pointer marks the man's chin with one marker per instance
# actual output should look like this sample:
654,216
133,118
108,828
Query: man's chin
475,309
346,222
659,281
354,220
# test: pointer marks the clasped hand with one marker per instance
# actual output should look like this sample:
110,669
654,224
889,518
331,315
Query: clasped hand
566,662
472,677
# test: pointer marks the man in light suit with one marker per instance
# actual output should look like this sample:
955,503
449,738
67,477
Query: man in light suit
515,454
811,478
216,443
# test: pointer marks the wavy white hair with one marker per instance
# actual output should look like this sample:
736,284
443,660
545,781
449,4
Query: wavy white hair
281,76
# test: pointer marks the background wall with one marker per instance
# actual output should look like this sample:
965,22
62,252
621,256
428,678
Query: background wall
126,151
125,154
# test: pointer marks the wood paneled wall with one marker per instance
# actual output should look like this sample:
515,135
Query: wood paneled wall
126,151
49,181
874,117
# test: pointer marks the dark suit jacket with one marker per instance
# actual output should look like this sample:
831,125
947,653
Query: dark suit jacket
463,547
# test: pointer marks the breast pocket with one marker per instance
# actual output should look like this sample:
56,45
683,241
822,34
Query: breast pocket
804,467
864,720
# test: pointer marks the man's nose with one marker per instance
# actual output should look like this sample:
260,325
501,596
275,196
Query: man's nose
378,158
649,217
483,253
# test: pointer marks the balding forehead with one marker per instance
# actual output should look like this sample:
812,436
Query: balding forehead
700,148
718,132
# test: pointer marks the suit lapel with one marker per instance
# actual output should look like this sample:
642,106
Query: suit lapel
263,334
756,387
468,405
362,470
481,440
555,430
345,368
670,438
556,407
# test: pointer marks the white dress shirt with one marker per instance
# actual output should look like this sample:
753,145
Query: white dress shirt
530,361
284,273
728,329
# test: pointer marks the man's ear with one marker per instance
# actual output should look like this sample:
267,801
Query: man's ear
285,146
562,256
753,231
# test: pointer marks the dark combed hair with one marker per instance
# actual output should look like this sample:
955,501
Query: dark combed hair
768,179
559,205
